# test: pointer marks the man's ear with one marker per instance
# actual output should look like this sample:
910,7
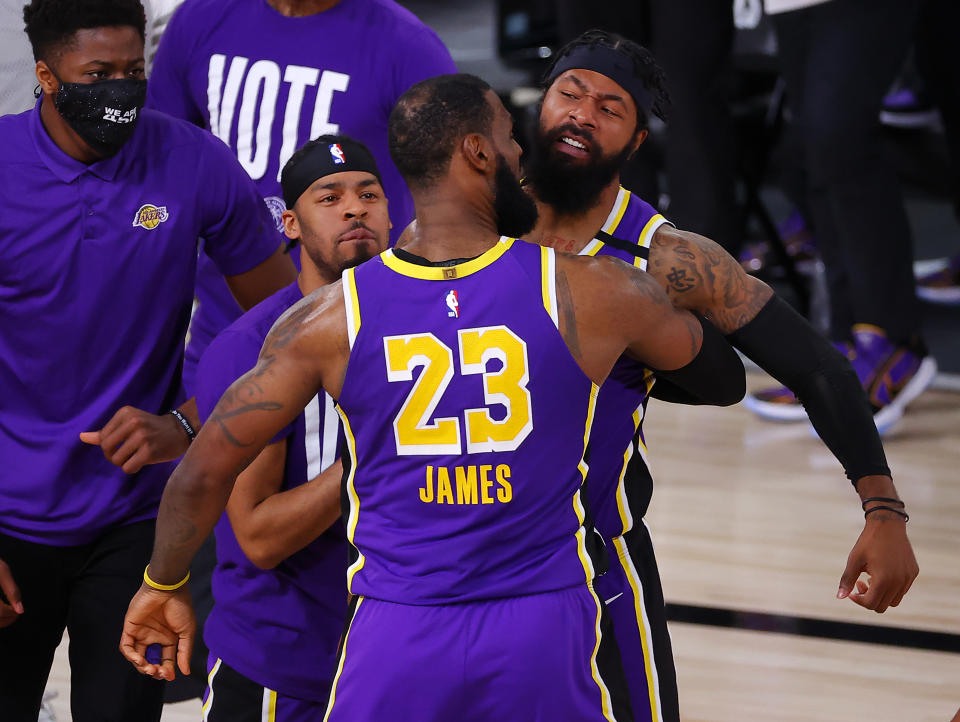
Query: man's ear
478,152
45,77
291,225
638,141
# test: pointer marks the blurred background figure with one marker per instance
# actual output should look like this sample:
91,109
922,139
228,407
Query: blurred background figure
17,80
940,74
839,58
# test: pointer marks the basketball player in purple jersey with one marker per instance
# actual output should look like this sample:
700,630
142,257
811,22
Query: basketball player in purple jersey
281,554
101,205
266,76
466,377
600,94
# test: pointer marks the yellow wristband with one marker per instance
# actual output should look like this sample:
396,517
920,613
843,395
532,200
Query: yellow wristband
163,587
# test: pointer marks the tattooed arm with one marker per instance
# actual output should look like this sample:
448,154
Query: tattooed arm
698,274
606,307
306,350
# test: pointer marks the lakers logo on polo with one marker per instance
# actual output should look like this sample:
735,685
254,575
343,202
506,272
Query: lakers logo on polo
150,216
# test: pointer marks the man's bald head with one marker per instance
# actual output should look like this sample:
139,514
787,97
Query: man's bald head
430,119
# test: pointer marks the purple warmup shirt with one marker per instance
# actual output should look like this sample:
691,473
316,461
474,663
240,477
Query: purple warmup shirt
97,268
619,481
277,627
466,421
265,84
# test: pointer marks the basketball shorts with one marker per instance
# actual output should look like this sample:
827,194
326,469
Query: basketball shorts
545,657
231,697
634,599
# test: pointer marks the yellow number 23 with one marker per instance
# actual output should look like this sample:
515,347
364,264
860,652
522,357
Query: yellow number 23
414,431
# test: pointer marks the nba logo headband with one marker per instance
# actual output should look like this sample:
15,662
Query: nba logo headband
321,157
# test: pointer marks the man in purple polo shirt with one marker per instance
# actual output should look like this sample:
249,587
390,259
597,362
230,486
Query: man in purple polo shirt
282,553
101,205
265,76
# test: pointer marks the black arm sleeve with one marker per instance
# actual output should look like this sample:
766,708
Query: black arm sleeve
788,348
715,375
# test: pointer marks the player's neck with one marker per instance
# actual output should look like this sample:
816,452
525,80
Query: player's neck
571,233
301,8
451,227
65,137
310,277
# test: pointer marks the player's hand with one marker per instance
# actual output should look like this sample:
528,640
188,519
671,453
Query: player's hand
884,553
10,610
134,438
162,618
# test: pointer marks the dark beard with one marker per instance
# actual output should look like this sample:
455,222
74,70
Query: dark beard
559,182
516,211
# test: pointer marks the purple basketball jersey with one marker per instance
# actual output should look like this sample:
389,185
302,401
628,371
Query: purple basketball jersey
619,481
466,420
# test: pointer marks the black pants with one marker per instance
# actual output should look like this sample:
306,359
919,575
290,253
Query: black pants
693,41
85,589
838,60
937,61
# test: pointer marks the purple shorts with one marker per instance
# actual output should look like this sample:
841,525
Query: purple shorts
231,697
545,657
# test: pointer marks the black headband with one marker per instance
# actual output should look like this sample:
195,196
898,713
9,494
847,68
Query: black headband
324,156
612,63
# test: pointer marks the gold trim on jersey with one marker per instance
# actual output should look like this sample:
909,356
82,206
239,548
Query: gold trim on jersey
268,712
646,237
606,702
643,626
577,502
584,555
446,273
616,213
351,301
623,507
548,283
343,656
354,499
205,709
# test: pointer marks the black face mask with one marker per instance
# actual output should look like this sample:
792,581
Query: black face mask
104,113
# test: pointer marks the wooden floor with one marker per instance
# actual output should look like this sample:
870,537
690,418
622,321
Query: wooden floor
756,516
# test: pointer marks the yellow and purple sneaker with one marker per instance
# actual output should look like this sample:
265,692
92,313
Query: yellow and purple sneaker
892,376
941,285
779,403
899,374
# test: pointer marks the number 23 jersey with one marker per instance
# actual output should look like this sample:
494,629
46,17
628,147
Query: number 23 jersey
466,419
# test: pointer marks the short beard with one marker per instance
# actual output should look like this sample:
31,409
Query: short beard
559,182
516,211
335,266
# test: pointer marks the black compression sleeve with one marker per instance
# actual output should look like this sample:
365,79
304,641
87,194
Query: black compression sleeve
788,348
715,375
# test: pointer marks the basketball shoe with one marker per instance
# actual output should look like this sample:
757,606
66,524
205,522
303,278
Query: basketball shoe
942,285
892,376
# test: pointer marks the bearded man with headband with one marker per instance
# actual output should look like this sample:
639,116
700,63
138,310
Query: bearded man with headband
600,94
